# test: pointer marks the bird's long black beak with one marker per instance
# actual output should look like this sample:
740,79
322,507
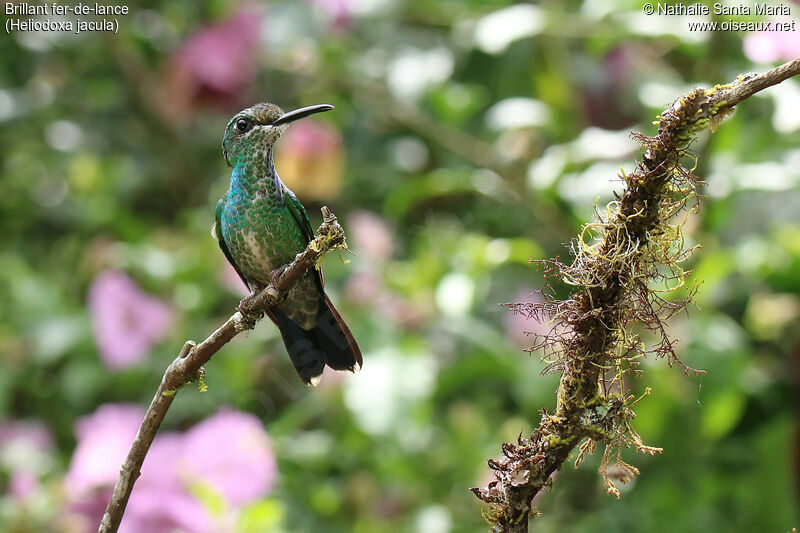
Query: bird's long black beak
291,116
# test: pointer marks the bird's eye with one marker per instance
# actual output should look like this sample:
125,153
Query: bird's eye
242,125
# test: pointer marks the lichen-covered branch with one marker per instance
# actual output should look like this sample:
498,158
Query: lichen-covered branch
188,366
624,263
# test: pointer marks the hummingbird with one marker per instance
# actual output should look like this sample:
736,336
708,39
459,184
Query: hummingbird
261,226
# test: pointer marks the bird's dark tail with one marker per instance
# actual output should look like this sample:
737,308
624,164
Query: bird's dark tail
330,342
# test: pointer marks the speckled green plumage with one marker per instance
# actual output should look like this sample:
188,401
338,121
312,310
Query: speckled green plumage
262,233
261,226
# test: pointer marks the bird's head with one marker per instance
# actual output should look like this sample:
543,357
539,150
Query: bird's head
258,127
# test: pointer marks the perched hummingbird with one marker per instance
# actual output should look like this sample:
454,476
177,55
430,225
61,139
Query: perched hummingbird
261,226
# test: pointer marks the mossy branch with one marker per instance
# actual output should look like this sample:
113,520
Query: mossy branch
188,366
623,264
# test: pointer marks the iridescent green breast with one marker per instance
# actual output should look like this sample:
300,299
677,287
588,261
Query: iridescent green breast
261,235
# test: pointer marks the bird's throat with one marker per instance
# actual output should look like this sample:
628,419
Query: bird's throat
254,176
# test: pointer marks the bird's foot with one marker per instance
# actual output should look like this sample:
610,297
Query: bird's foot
276,274
249,314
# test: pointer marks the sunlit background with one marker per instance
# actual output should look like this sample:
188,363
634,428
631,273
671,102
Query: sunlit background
468,137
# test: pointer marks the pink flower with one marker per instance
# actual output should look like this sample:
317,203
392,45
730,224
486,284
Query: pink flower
331,379
104,439
308,138
338,11
364,287
221,56
25,449
126,321
215,64
371,235
31,433
772,46
231,452
23,484
311,160
228,452
402,311
160,502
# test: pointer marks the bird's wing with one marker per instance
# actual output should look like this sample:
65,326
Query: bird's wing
301,217
217,233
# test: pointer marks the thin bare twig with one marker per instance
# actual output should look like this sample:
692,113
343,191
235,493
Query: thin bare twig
618,260
188,366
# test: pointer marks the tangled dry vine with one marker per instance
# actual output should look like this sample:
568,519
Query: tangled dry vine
623,265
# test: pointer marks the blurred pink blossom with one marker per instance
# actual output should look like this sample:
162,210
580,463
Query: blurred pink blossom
23,484
408,314
311,159
126,321
331,379
25,448
364,287
338,11
160,502
230,452
309,137
104,439
371,235
214,64
772,46
30,432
